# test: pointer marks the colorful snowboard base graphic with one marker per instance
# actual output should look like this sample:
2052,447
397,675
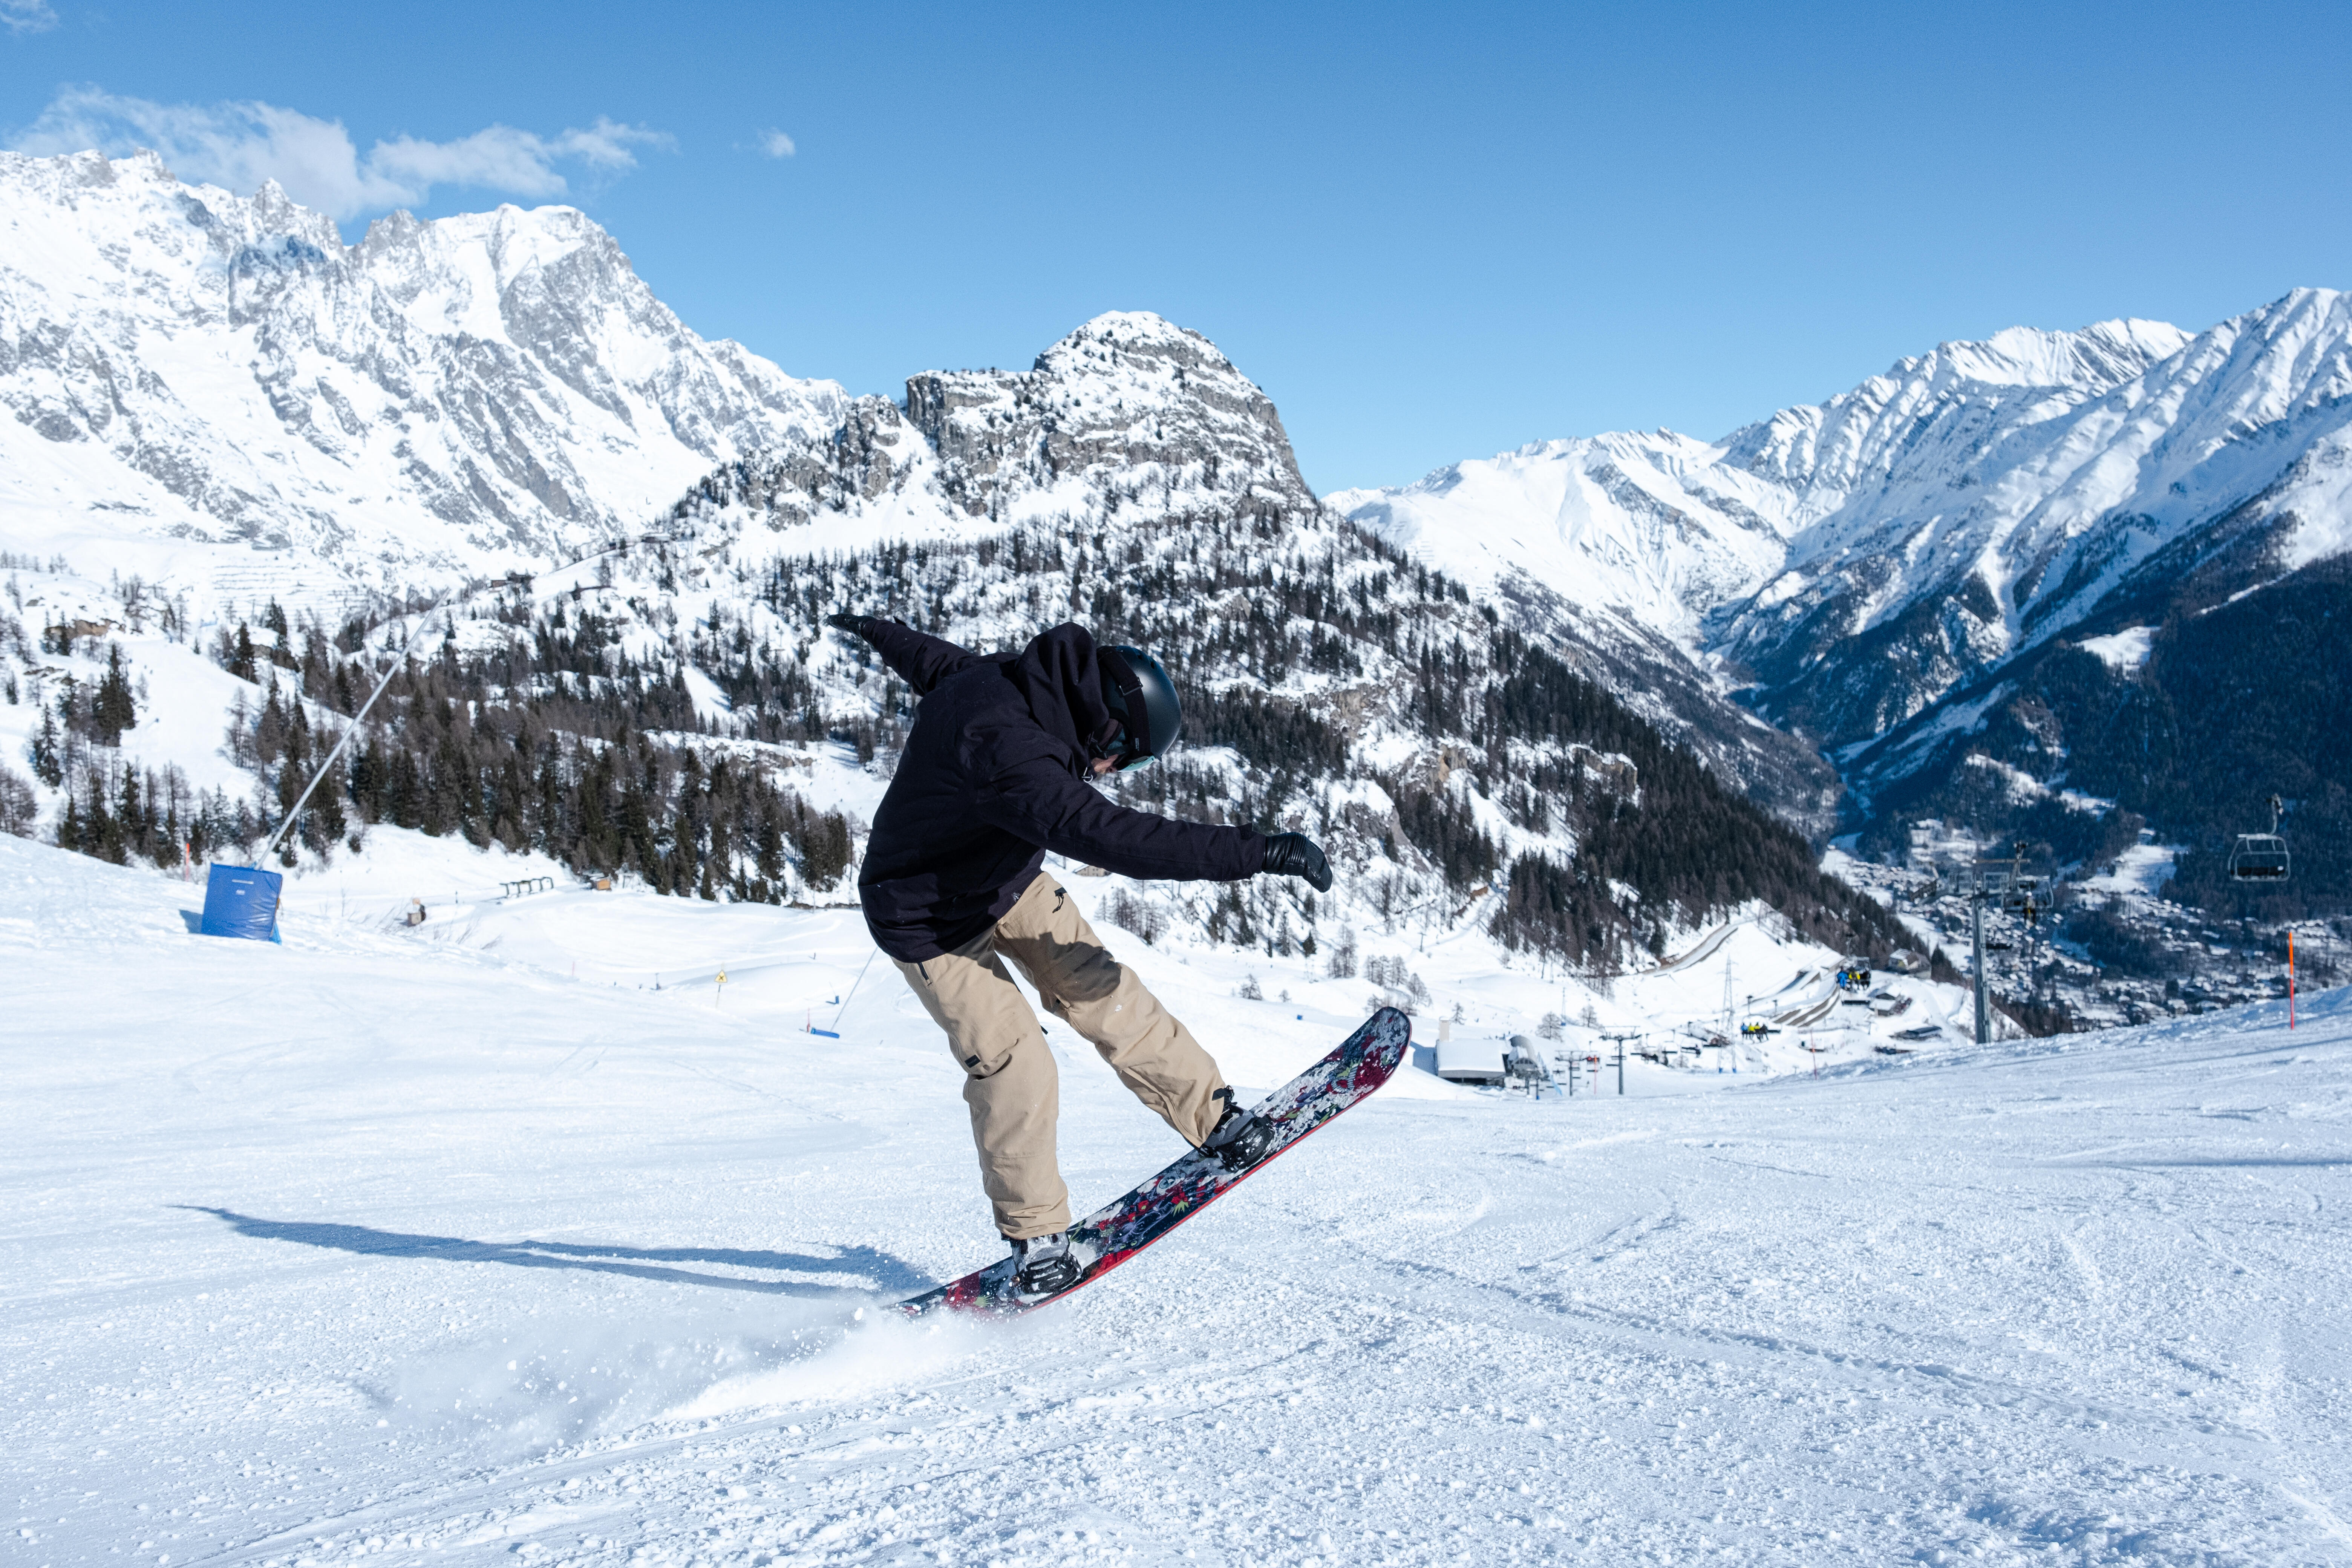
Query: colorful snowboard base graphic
1118,1231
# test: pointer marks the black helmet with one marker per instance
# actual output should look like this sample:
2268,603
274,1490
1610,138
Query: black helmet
1142,699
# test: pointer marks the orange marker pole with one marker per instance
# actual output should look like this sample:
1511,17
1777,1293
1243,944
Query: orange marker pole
2290,977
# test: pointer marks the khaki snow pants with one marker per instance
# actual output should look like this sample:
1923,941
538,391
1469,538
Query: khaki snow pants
1010,1081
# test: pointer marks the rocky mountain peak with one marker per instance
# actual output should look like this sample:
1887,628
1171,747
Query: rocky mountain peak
1128,401
1128,418
1130,339
2099,356
1870,562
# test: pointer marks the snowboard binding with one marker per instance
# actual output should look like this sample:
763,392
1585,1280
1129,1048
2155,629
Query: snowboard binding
1043,1266
1239,1140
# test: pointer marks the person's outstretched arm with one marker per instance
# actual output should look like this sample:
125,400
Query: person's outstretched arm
921,660
1040,802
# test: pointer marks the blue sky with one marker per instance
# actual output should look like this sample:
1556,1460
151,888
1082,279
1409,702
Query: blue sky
1429,233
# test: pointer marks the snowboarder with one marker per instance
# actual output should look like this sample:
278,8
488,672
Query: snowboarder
993,775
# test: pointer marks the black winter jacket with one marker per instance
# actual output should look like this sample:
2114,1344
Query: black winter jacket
994,775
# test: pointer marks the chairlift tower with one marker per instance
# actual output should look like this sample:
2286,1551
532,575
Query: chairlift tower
2004,884
1619,1041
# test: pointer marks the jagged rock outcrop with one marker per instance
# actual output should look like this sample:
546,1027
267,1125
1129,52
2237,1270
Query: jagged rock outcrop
1126,403
1128,411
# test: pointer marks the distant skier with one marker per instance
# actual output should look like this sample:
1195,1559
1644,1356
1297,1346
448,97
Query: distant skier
993,776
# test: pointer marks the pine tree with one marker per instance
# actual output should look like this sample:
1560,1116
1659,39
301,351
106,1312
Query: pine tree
269,730
112,710
48,766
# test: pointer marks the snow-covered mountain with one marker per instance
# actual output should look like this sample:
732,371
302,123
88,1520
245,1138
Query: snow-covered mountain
212,393
1978,503
1861,565
1722,544
190,370
215,394
1863,556
1469,775
1130,424
1650,530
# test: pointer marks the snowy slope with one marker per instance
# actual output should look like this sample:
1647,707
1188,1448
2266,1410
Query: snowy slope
372,1244
189,369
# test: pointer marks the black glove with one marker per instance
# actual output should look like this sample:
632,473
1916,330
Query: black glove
1295,855
854,625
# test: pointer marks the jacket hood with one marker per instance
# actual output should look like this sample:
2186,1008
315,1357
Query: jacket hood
1060,677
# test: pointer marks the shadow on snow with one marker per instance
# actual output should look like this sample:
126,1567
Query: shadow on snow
886,1272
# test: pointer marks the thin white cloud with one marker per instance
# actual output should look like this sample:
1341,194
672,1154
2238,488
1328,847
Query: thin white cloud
26,16
239,145
505,159
776,144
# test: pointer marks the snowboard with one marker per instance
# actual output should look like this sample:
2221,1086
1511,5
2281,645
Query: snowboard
1118,1231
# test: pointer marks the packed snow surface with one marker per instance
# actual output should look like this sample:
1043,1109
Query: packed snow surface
372,1244
2143,869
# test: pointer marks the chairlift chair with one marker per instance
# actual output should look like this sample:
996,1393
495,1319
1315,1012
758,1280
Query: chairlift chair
2261,856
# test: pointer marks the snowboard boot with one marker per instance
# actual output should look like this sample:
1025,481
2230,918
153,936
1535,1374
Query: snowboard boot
1043,1266
1239,1140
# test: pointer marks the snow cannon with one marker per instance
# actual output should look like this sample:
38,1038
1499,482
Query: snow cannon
241,900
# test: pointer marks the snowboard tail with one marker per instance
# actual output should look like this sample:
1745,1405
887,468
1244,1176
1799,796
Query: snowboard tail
1119,1230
